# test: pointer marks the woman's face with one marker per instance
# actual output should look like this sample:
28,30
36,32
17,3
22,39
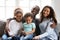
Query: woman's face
28,20
46,12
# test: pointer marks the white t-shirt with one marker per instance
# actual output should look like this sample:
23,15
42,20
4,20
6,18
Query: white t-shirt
14,27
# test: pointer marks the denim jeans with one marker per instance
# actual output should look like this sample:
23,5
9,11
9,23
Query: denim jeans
30,36
45,38
5,37
16,38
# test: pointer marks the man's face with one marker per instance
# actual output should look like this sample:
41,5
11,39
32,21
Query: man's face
35,11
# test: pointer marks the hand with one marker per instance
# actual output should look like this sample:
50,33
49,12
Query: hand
36,38
7,29
23,33
26,33
12,35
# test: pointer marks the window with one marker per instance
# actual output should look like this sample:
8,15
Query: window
2,9
7,7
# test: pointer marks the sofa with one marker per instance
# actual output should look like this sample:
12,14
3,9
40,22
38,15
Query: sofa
3,24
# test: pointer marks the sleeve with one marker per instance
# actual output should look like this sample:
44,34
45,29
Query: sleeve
11,25
49,31
33,24
22,25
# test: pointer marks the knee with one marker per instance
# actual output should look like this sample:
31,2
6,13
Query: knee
4,36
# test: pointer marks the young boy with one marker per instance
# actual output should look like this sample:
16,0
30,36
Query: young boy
14,26
28,27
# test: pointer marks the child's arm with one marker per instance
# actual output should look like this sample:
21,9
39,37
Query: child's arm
31,32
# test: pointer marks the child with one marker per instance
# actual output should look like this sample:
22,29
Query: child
14,26
28,27
8,20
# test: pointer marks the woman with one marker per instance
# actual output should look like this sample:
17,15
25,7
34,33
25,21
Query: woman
47,24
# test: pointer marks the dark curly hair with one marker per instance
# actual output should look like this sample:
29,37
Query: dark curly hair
28,15
51,15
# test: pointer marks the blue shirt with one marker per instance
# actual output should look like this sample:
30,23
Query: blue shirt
28,27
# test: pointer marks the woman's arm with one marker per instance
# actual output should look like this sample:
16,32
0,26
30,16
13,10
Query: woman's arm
49,31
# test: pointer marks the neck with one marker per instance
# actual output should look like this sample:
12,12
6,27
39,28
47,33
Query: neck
18,21
34,16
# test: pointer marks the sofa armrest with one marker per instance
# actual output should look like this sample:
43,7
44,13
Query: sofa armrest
2,27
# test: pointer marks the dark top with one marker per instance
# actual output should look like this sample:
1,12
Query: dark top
37,30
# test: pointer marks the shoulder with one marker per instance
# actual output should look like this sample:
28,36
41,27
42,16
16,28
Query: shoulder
24,23
33,24
12,21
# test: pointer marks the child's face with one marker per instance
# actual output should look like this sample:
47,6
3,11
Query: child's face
29,20
19,17
46,12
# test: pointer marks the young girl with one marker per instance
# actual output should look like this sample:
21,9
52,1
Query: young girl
8,20
28,27
47,24
14,26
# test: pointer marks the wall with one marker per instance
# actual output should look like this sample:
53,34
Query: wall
56,5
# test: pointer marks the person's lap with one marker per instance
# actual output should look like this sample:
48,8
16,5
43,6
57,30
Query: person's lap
30,36
5,37
45,38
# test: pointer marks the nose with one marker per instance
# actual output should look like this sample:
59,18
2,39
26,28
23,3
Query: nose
45,12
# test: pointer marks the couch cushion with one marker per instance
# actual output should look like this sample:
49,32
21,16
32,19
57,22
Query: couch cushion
2,26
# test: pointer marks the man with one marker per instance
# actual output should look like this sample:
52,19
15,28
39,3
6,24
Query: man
35,11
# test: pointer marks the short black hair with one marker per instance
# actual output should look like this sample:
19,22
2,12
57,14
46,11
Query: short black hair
36,8
28,15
